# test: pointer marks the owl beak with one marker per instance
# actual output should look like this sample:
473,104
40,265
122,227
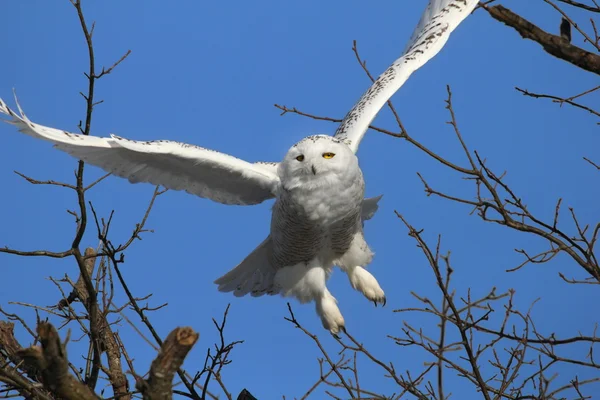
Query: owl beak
314,170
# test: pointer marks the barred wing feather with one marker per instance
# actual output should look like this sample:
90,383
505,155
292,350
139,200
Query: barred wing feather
440,18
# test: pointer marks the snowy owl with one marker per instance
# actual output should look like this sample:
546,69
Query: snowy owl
319,210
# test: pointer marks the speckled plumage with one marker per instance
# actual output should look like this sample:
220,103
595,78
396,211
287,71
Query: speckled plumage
439,19
319,209
317,217
317,222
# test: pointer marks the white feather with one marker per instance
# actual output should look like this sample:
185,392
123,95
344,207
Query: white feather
440,18
178,166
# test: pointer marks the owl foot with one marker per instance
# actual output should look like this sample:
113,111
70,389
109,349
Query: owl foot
364,282
330,314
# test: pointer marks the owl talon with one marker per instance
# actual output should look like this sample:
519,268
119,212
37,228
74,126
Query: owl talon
340,329
381,300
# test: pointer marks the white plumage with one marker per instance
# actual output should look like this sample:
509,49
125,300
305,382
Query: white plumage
440,18
319,210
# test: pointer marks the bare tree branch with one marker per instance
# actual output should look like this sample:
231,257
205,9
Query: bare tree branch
172,353
573,3
552,44
51,360
558,100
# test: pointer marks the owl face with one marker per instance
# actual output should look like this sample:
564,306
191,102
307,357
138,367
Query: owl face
317,160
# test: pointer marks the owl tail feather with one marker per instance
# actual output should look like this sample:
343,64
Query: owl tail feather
255,274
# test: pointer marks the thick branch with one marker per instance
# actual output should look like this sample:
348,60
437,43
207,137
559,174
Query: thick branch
10,347
79,291
581,5
22,385
118,379
554,45
173,351
51,360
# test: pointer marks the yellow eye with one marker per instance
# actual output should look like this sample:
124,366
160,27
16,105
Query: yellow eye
328,155
300,158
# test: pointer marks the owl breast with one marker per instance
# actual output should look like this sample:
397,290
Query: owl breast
318,219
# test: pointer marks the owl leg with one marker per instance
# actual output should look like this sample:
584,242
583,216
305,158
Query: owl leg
330,314
359,254
306,282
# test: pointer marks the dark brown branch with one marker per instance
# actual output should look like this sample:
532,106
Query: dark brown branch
592,163
581,5
442,342
109,69
10,347
219,359
26,388
315,339
79,291
458,321
109,343
48,182
51,360
92,303
172,353
92,67
558,100
322,377
574,24
552,44
585,92
111,253
408,386
552,341
37,253
97,181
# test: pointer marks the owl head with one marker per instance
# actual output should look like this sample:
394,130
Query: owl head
318,160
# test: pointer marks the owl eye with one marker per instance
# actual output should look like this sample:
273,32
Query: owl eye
328,155
300,157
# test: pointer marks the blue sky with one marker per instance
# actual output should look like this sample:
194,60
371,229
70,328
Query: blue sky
209,73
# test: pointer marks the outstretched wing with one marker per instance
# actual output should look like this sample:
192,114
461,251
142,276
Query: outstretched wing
178,166
440,18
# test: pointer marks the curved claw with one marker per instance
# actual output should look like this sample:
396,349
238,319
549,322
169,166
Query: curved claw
341,328
382,301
